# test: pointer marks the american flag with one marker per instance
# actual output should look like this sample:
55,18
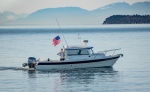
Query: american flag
56,41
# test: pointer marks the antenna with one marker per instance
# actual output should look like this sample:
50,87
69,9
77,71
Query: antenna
84,41
62,34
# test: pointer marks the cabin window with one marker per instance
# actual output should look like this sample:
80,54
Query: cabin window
91,51
72,52
77,52
83,52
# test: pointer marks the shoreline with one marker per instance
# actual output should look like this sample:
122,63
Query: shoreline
82,26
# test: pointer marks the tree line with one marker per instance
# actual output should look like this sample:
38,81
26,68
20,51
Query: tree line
128,19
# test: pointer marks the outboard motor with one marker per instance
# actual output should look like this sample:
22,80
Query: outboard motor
31,62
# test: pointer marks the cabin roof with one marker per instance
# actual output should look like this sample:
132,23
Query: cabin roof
78,47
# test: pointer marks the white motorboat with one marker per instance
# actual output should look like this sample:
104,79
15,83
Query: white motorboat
77,57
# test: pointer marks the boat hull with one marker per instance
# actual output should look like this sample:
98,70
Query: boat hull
107,62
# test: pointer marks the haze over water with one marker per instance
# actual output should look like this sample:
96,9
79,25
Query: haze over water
129,74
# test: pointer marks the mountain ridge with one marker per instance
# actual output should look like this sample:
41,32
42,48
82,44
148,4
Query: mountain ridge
79,16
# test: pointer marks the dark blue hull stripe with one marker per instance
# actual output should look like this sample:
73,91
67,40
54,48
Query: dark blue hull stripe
76,62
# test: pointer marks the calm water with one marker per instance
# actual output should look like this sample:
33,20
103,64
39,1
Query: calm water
130,74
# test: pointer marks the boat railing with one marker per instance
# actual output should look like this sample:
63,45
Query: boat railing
112,50
105,52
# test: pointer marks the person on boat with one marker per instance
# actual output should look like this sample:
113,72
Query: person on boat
62,55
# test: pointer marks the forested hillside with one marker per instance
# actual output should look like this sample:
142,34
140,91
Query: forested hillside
128,19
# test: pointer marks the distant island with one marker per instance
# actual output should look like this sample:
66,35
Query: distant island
128,19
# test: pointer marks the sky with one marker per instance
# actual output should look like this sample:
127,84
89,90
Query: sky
29,6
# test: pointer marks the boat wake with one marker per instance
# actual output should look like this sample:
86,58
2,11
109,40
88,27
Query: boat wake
85,70
14,68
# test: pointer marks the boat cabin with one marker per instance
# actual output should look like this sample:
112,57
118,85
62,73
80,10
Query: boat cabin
78,53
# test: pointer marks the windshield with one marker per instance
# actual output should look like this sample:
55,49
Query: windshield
77,52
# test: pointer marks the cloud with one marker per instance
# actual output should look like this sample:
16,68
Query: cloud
7,16
11,17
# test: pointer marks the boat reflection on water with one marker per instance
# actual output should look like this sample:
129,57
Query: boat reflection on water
75,79
84,76
77,75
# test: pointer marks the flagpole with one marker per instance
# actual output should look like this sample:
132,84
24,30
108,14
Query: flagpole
62,34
